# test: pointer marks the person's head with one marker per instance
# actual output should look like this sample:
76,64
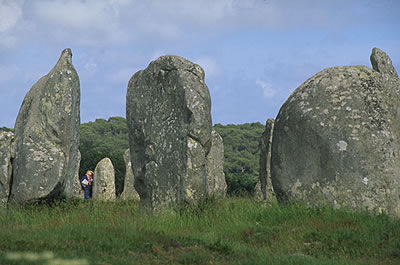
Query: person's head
89,172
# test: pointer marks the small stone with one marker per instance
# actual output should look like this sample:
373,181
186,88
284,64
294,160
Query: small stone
6,155
266,189
216,184
129,192
104,181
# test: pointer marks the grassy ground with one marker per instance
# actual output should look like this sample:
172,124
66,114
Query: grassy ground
227,231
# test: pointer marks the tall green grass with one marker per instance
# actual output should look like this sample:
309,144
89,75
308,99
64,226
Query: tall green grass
217,231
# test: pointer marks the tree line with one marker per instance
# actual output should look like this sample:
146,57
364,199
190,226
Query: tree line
109,138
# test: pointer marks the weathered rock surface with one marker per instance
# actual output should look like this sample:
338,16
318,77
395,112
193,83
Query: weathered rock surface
258,194
169,121
267,191
336,141
104,181
77,191
6,149
129,192
216,184
47,136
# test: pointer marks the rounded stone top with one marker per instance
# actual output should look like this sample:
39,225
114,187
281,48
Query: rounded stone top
105,161
174,62
66,55
67,51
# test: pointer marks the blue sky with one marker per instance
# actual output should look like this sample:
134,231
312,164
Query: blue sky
254,52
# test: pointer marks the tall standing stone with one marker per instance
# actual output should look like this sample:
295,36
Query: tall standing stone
6,148
216,184
104,181
47,136
266,188
169,121
129,192
336,140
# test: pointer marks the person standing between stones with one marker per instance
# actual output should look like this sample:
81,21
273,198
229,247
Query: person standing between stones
86,183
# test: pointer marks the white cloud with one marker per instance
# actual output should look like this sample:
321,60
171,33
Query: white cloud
207,12
88,23
10,17
268,91
102,23
76,14
95,22
10,14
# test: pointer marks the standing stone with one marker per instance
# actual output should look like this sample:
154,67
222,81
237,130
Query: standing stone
169,121
6,146
336,141
104,181
47,136
258,194
267,191
381,63
216,184
129,192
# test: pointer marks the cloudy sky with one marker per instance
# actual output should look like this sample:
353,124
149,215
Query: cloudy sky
254,52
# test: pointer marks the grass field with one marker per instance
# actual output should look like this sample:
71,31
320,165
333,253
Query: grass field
218,231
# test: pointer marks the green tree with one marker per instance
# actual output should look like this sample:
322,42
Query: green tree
5,129
241,155
109,138
105,138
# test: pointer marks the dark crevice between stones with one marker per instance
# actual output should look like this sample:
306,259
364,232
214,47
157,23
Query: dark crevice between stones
139,184
55,194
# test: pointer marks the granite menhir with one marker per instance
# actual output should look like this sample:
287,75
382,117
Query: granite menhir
336,140
169,120
47,136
